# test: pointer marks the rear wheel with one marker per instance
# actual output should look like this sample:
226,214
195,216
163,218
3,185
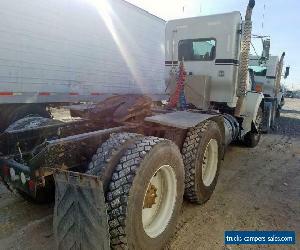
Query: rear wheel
202,158
145,195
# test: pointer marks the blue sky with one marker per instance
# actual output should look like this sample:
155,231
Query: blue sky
281,21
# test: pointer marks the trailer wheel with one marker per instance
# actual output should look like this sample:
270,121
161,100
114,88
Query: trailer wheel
145,195
13,113
252,138
26,110
202,158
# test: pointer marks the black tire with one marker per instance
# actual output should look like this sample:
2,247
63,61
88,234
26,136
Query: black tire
125,197
108,155
26,110
252,138
278,113
267,121
193,155
12,113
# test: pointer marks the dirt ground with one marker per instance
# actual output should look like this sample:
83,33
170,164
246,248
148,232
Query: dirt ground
258,189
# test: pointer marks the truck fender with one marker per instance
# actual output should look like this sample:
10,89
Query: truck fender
249,110
187,120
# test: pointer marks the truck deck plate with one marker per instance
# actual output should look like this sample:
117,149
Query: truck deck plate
180,119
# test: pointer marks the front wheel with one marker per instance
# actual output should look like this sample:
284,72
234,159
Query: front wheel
252,138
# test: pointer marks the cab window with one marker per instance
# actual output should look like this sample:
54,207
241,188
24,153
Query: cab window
197,49
259,70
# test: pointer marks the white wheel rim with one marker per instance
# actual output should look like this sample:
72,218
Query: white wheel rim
210,162
156,218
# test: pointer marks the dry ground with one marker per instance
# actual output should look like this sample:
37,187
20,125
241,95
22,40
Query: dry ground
258,189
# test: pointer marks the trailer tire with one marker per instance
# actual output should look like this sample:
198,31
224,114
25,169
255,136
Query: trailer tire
13,113
26,110
130,222
204,139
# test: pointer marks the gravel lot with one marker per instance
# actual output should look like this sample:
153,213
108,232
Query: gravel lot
258,189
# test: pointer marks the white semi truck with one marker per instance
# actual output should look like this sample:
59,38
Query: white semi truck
121,170
266,78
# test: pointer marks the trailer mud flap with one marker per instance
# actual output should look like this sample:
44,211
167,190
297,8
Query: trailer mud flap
80,214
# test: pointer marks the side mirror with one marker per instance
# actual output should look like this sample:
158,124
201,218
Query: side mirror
287,72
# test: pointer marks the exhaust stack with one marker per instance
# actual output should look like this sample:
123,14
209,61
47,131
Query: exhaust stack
244,58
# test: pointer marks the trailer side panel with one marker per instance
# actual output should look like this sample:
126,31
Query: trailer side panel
79,50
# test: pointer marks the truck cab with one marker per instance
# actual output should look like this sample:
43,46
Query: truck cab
210,46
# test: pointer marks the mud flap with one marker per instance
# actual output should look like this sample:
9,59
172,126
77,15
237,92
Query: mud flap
80,214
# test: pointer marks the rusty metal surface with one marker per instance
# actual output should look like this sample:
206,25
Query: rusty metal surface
118,109
176,135
71,151
150,197
28,132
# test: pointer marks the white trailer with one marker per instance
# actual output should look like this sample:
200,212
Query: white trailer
63,51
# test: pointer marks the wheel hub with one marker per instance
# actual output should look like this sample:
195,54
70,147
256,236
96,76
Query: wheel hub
159,201
150,196
210,162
